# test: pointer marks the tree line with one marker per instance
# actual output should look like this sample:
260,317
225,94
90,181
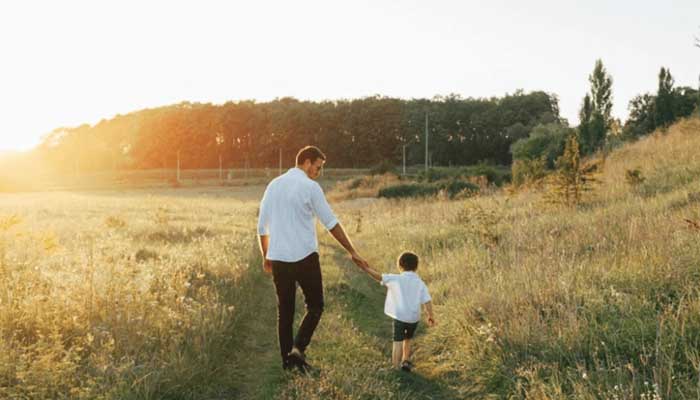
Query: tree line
354,133
365,132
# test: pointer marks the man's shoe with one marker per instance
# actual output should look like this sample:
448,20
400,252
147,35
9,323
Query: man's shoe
297,359
287,365
297,354
406,366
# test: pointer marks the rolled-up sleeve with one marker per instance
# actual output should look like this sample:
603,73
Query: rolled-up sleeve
264,217
321,208
387,278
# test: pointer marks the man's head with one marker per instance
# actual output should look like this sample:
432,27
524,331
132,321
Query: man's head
408,261
310,159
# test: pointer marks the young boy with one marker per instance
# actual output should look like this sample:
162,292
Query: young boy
405,294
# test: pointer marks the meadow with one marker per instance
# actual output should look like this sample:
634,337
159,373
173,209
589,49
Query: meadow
159,294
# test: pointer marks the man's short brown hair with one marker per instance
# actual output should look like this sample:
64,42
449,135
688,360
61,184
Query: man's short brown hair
408,261
312,153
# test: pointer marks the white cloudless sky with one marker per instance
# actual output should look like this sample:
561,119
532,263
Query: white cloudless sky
65,63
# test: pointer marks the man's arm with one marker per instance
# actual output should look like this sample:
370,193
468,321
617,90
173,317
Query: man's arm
374,274
325,215
339,234
264,241
263,230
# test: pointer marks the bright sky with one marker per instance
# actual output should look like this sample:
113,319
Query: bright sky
64,63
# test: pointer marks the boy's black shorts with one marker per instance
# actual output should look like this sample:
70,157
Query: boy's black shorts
404,330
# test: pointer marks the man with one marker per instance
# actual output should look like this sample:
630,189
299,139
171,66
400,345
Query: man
287,236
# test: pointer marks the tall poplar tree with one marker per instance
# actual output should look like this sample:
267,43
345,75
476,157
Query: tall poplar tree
596,109
663,108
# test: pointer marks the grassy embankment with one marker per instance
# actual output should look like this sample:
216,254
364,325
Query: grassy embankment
162,297
534,301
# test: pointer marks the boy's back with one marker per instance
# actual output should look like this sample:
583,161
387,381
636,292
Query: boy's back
406,292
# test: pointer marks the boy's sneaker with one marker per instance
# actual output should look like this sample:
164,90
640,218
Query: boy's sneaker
406,366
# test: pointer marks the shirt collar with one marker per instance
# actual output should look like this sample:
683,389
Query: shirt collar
298,172
408,272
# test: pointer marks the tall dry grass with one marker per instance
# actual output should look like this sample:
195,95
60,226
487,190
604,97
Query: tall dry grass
142,297
538,301
118,296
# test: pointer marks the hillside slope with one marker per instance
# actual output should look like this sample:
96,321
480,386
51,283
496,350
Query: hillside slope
533,301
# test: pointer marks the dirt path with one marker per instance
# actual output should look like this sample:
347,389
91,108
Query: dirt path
255,367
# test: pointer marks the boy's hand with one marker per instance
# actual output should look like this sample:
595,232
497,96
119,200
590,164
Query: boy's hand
431,321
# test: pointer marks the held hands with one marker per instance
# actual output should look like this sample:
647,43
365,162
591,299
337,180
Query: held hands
359,261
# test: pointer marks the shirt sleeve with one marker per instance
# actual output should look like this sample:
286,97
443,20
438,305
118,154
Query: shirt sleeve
424,295
386,278
264,217
321,208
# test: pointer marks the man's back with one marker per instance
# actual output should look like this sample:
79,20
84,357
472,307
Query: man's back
286,215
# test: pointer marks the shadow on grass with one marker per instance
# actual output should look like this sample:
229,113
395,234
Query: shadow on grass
422,387
361,300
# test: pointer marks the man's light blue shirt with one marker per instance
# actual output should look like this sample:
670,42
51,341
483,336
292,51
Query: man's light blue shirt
287,213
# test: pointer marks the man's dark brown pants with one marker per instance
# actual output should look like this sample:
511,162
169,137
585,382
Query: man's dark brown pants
286,275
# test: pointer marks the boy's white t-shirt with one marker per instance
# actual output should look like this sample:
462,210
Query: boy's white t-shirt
406,292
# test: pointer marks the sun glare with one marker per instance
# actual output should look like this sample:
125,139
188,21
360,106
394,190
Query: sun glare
16,143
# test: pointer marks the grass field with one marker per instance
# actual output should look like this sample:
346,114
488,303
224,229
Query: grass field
150,294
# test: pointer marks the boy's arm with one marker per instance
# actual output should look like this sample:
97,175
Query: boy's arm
429,310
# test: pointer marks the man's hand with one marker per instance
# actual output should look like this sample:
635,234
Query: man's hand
267,266
359,261
264,242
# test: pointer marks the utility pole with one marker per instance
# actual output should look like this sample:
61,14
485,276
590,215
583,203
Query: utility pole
426,141
280,169
404,159
178,166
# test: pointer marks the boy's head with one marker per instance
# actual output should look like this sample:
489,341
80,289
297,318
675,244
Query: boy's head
408,261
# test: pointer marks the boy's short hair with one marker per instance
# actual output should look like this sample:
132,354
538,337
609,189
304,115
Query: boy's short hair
408,261
312,153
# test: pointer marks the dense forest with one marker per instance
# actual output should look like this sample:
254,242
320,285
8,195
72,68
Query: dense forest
354,133
362,133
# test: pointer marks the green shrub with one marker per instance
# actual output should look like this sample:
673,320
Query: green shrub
527,172
433,175
421,189
634,177
494,173
544,141
455,187
382,168
497,175
408,190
